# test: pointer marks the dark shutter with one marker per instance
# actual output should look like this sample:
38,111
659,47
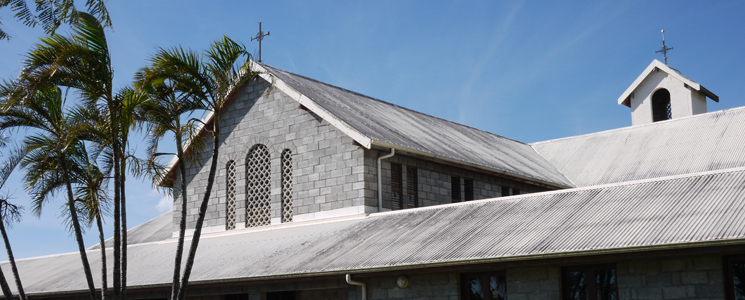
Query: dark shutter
396,187
412,188
236,297
515,191
455,188
505,191
286,295
468,186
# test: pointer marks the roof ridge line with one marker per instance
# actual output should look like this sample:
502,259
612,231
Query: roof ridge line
393,104
723,111
594,187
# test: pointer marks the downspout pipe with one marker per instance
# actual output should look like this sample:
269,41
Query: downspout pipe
352,282
380,178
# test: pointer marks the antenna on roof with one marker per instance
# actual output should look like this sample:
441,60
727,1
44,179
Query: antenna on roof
664,47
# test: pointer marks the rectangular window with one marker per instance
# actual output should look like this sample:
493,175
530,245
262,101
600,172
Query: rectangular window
396,187
515,191
734,277
455,188
412,187
592,282
286,295
468,189
236,297
505,191
484,286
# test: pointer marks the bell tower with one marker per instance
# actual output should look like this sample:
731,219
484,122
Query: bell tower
661,93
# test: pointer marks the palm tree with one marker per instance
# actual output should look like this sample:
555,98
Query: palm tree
212,82
10,213
91,193
48,149
162,114
82,62
53,13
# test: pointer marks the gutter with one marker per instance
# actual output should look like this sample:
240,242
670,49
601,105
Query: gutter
380,180
352,282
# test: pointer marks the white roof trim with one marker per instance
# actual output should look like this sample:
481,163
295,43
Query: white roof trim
656,64
295,95
313,107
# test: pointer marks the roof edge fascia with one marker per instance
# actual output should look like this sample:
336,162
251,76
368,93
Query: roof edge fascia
656,64
473,165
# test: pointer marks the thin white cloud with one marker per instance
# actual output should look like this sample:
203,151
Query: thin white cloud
164,204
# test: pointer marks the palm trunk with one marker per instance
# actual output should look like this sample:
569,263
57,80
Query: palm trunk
104,287
202,211
117,215
182,223
123,295
12,260
4,285
76,227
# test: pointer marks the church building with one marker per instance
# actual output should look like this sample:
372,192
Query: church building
324,193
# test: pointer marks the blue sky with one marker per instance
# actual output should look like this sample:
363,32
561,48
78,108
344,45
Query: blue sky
530,71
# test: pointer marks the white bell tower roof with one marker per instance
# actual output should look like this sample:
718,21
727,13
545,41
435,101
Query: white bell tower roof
673,94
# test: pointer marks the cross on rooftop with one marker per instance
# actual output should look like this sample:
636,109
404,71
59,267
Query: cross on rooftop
663,50
260,36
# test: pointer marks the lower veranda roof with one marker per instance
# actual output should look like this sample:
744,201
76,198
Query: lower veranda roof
683,211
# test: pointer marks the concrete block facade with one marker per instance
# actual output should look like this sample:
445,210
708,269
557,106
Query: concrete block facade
690,277
332,176
327,167
434,181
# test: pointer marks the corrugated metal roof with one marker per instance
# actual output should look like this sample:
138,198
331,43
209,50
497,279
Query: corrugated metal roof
156,229
706,142
672,212
395,125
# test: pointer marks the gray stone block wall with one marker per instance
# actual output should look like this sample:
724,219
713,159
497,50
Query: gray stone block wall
539,283
695,277
327,166
437,286
434,181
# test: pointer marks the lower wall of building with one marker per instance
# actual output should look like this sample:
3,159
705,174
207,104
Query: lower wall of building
691,277
683,277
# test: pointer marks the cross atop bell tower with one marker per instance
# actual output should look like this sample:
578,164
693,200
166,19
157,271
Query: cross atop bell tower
663,50
260,36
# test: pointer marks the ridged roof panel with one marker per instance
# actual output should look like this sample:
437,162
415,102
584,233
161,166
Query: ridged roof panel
671,212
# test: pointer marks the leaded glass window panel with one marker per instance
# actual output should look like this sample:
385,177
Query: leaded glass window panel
286,186
734,268
594,282
230,206
258,187
484,286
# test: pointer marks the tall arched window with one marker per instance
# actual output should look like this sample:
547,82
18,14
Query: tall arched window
661,105
286,185
258,187
230,204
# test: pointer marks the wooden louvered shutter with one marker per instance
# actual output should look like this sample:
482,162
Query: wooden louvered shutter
468,186
396,187
455,188
412,187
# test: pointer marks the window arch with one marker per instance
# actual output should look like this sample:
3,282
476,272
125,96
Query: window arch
286,185
230,203
258,187
661,109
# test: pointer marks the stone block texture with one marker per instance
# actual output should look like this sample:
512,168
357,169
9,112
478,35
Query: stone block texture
434,181
327,165
437,286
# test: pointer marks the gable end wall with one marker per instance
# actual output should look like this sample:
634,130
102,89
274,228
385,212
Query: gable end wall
328,170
